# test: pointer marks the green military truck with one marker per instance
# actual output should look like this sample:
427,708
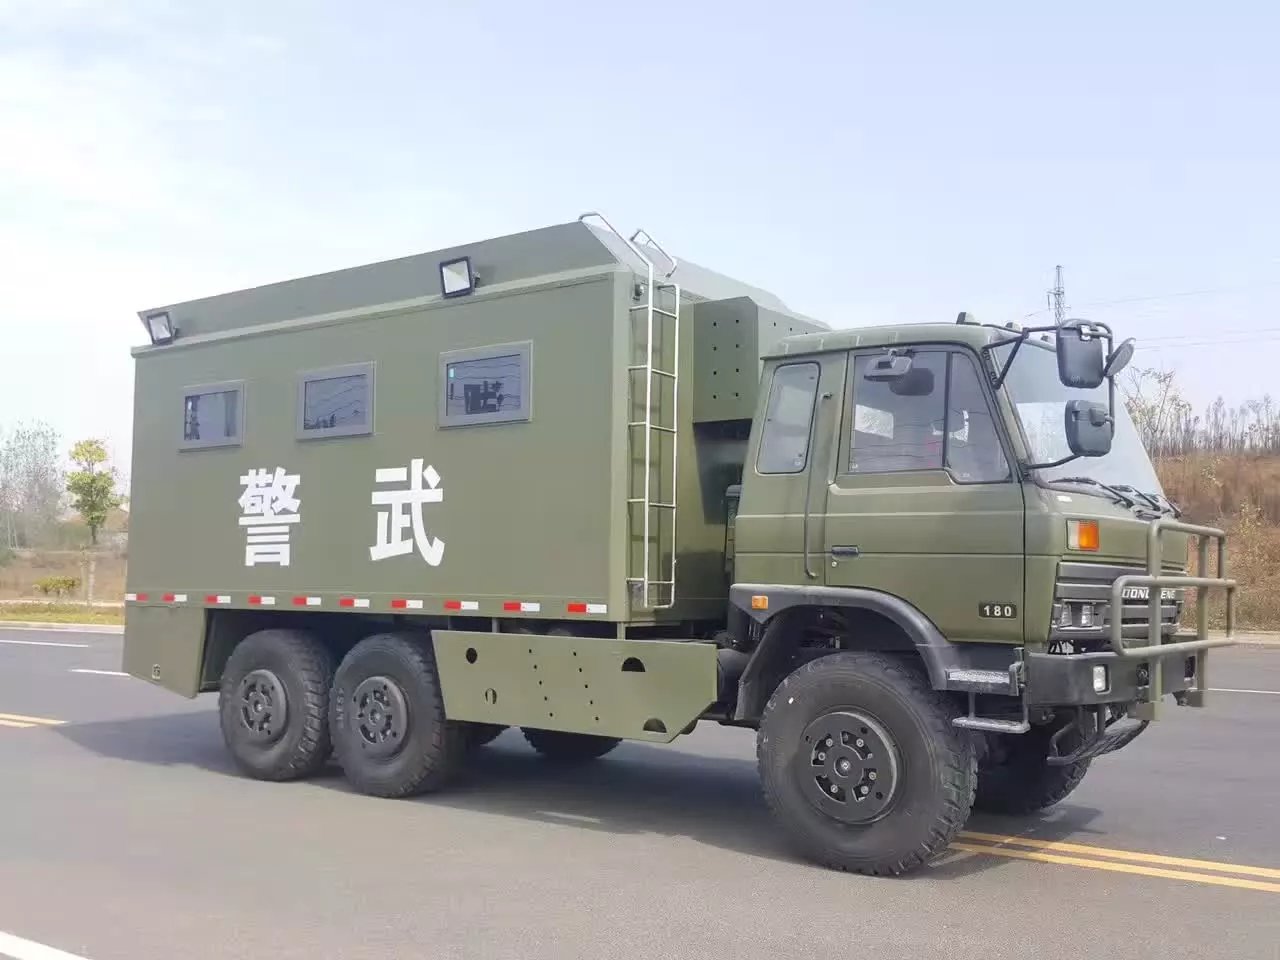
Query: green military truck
559,481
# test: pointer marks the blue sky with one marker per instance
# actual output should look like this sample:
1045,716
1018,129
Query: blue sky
867,162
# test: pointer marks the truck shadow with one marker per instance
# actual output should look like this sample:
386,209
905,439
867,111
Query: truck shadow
637,789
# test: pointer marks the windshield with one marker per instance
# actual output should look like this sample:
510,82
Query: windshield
1041,399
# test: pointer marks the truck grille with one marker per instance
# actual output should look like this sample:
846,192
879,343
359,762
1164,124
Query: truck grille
1090,583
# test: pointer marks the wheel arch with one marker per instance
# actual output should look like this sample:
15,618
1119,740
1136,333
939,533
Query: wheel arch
879,621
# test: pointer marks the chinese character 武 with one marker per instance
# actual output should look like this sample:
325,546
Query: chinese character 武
403,512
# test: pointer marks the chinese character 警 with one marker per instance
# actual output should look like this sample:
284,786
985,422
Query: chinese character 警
269,507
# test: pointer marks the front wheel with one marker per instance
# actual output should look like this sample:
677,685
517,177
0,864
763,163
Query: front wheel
861,765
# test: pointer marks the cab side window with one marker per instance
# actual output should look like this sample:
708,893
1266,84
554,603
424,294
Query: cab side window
784,439
974,454
934,417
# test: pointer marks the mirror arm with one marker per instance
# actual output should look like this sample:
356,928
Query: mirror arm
1053,463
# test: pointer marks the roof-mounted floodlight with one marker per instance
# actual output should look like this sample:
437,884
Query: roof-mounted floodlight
457,278
160,327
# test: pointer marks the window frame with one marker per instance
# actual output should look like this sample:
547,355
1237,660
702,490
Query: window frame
522,349
949,350
201,389
764,419
366,368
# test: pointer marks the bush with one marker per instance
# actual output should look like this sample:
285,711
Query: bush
58,587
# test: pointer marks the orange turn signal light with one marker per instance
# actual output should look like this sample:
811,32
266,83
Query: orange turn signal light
1083,534
759,602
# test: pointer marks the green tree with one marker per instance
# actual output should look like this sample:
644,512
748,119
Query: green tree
93,486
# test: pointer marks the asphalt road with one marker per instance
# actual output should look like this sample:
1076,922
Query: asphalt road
125,834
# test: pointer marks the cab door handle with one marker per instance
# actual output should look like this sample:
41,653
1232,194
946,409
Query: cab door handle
842,550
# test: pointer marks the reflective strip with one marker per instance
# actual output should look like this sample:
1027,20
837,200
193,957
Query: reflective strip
217,598
521,606
587,608
462,604
175,598
401,604
306,601
353,602
136,597
261,601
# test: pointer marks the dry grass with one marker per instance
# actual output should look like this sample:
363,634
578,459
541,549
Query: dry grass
61,613
22,568
1241,493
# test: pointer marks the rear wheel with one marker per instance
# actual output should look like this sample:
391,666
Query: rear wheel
861,765
568,747
273,704
387,717
1016,778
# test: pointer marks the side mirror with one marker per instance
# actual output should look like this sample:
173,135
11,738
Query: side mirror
1119,358
1081,362
888,368
1089,428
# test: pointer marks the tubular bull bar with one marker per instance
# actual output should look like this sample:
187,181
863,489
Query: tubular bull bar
1153,649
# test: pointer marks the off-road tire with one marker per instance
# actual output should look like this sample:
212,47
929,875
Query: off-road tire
478,734
1024,782
568,747
430,747
304,668
934,780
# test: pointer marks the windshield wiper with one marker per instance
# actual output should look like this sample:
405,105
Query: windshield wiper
1121,498
1158,500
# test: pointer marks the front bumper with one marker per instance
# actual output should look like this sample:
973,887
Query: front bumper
1068,679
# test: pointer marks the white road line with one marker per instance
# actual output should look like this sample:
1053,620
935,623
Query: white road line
100,673
19,949
16,723
1273,693
46,643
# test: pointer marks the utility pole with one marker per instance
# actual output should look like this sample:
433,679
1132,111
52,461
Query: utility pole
1056,298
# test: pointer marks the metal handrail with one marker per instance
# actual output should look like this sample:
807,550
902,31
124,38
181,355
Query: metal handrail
648,241
1156,649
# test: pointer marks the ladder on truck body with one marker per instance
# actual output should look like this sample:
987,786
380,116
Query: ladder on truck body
657,592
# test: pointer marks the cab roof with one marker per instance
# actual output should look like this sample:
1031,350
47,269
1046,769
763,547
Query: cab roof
968,334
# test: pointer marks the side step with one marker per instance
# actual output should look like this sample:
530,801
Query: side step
991,724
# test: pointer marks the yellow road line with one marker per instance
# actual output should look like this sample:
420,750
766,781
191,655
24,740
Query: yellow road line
1119,867
15,723
1110,854
30,721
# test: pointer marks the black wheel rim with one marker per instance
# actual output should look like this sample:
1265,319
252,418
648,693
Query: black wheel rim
379,716
847,764
262,706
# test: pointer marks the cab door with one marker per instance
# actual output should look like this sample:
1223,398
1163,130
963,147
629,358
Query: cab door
778,530
923,504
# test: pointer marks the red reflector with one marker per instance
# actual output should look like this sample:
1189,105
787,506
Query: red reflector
401,604
577,608
347,602
168,598
513,605
457,605
255,599
142,598
211,598
299,601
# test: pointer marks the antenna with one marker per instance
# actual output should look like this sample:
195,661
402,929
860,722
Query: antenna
1056,298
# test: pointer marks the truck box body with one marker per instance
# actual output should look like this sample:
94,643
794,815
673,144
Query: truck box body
524,472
